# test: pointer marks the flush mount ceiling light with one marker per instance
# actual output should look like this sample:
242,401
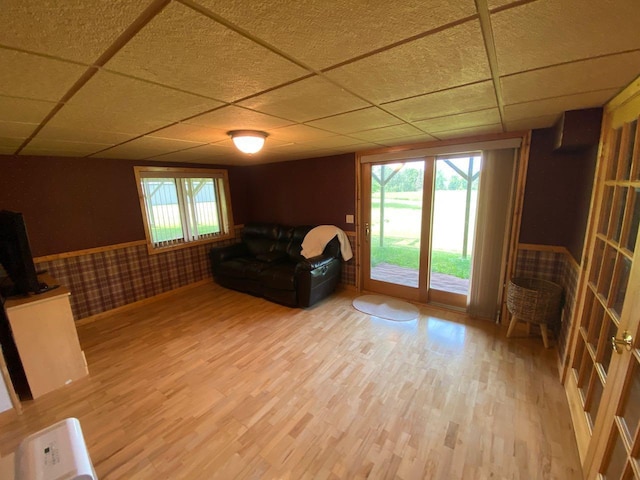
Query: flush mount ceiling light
248,141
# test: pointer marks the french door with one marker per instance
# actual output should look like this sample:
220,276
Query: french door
419,217
603,381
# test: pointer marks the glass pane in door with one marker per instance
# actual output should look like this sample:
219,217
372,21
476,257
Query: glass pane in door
396,222
631,403
617,458
454,218
634,219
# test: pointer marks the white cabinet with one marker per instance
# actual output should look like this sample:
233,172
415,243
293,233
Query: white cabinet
45,335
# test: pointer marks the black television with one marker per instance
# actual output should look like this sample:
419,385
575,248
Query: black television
15,256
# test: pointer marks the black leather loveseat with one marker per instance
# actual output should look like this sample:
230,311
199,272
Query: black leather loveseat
267,263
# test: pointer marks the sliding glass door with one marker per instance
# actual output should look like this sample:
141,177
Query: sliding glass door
453,228
393,227
419,223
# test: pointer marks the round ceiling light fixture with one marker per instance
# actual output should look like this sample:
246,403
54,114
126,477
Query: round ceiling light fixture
248,141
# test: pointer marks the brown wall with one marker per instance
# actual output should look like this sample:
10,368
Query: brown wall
314,191
77,203
557,194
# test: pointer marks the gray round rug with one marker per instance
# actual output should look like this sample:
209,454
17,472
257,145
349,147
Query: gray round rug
386,307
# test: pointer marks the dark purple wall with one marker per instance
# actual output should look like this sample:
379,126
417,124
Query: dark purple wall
76,203
557,194
314,191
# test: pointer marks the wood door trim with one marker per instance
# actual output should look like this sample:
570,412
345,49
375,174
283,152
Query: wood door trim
516,219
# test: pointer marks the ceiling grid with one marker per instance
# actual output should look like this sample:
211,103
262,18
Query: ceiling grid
166,79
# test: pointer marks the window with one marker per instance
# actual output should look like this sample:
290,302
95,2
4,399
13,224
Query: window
181,206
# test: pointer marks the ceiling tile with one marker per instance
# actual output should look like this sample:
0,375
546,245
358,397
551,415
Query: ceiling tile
387,133
35,77
549,32
186,50
446,102
45,146
146,147
356,121
341,30
393,142
131,124
16,129
190,133
24,110
584,76
298,133
339,141
8,146
532,123
113,103
466,132
75,134
555,106
11,143
493,4
108,92
296,152
462,120
78,30
237,118
450,58
202,154
305,100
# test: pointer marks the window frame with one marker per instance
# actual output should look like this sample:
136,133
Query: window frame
223,199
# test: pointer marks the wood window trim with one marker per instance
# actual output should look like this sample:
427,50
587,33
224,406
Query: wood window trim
141,172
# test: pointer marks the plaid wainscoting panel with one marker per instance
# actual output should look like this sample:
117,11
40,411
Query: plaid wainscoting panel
540,264
557,267
109,279
113,278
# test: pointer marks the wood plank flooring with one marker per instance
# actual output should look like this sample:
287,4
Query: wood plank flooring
213,383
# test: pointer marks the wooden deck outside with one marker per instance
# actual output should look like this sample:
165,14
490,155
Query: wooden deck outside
409,276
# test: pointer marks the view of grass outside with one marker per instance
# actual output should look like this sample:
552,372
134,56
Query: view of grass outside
167,224
402,218
164,207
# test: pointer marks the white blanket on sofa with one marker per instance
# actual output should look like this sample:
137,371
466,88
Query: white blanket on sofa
318,237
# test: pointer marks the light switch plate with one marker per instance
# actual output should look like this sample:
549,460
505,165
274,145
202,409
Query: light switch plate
350,219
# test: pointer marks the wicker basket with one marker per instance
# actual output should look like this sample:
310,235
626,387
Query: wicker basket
534,300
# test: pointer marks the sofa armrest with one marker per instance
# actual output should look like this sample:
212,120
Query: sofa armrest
312,263
217,255
316,278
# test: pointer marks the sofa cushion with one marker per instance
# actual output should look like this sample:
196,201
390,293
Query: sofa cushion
243,268
260,237
272,257
279,277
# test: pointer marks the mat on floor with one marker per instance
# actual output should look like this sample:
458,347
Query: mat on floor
386,307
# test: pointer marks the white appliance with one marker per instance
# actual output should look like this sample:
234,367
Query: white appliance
55,453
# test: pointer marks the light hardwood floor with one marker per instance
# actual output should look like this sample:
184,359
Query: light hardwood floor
213,383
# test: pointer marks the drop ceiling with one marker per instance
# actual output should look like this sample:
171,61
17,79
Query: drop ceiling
166,79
